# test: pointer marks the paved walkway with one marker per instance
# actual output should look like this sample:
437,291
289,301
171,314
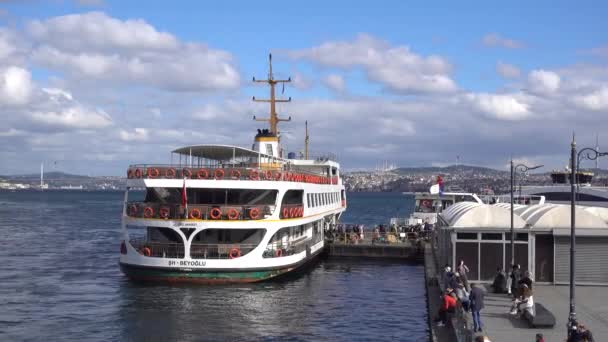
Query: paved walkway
591,309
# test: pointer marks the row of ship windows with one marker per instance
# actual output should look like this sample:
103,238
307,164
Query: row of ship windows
322,198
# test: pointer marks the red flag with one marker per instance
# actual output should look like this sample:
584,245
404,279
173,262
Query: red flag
184,196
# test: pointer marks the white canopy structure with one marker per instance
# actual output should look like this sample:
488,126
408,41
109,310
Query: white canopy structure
477,215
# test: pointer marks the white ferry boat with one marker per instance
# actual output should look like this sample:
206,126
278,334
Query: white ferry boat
228,214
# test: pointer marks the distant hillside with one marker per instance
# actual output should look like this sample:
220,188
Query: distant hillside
448,169
55,175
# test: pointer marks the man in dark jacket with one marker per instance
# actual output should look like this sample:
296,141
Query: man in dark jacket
476,305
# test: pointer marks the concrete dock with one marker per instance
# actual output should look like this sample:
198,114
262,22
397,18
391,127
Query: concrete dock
500,326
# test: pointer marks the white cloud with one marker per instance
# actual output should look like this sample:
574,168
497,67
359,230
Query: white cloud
596,101
496,40
335,82
73,117
600,51
96,46
502,107
396,67
300,81
543,81
15,86
138,134
507,70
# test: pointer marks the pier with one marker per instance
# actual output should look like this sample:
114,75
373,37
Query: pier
376,245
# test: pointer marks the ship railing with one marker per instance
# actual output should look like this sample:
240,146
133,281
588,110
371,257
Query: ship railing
371,237
227,172
150,210
158,249
219,251
280,249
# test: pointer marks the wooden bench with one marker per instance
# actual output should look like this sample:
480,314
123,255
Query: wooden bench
540,317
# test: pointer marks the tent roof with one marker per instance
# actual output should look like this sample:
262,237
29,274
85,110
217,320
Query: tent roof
220,152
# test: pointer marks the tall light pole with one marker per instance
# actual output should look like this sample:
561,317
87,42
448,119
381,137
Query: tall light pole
575,161
514,170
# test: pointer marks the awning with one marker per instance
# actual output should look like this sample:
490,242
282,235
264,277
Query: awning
221,152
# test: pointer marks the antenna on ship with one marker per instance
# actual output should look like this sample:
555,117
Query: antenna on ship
273,119
306,142
41,176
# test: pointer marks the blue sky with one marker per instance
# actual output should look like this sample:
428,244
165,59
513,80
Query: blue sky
474,79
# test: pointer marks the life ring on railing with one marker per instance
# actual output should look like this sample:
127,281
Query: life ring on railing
234,253
129,173
254,213
163,212
137,173
215,213
254,175
235,174
170,173
278,253
233,214
146,251
286,176
293,212
186,173
300,211
285,212
148,212
268,175
277,176
133,210
153,173
195,214
218,174
202,174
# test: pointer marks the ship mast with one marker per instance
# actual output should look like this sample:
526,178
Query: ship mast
273,119
306,142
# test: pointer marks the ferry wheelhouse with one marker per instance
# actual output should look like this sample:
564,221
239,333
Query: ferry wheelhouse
228,214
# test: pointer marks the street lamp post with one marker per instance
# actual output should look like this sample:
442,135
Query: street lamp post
575,161
514,169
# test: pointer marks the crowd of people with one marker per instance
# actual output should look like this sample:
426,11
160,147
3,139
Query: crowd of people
356,233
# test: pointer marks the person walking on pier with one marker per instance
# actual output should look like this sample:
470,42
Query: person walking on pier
476,304
515,277
462,270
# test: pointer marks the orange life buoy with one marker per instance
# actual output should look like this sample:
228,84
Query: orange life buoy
279,253
233,214
186,173
137,173
293,212
215,213
253,175
163,212
146,251
254,213
219,174
286,176
148,212
195,214
129,173
234,253
285,212
277,176
300,211
153,173
133,210
202,174
170,173
235,174
268,175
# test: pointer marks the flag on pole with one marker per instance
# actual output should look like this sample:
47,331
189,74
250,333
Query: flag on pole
185,198
437,188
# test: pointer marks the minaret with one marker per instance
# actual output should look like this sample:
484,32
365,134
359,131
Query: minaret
597,149
41,176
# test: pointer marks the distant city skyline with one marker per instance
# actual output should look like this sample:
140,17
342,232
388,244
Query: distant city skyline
91,86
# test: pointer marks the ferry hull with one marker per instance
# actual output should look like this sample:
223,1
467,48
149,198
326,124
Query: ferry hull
210,277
